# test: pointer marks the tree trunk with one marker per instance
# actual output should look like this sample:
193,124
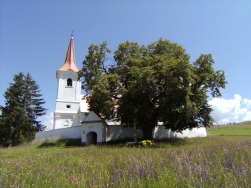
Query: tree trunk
147,132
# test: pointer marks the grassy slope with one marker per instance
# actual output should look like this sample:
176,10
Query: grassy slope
216,135
240,129
59,164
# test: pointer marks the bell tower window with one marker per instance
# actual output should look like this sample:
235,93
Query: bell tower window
69,82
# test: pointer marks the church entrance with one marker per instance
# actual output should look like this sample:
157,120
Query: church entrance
91,138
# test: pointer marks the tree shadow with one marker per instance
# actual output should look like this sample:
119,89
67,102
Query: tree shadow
176,142
60,143
173,142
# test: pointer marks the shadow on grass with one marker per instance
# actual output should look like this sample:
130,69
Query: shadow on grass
61,143
177,142
117,143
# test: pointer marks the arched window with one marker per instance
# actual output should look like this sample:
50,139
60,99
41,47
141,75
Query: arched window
66,123
69,82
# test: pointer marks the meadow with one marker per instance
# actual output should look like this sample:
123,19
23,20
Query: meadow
223,159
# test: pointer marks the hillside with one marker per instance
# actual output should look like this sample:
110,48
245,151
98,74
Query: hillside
221,161
240,129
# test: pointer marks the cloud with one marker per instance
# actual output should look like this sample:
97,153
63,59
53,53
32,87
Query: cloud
247,102
47,120
231,110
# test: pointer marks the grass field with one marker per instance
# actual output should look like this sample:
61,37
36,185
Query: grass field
243,129
223,159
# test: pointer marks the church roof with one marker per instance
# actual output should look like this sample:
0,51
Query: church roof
92,117
70,60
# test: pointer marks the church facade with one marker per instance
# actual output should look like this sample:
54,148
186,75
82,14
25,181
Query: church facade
73,120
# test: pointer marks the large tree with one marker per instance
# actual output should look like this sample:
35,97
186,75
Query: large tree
23,104
154,83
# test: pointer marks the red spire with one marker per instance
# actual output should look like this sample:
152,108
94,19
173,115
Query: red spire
70,60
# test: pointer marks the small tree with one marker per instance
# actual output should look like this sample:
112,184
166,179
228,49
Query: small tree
23,104
151,83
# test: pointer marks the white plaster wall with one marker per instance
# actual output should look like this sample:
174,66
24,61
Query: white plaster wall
67,92
61,106
66,117
72,132
61,118
117,132
96,127
62,114
114,132
67,96
71,114
56,121
60,89
161,133
78,90
83,105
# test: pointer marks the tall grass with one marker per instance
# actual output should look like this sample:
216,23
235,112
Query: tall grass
215,161
243,128
188,163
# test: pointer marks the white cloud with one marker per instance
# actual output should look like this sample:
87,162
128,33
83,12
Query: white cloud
247,102
47,120
231,110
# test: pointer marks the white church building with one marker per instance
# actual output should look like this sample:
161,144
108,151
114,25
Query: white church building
72,120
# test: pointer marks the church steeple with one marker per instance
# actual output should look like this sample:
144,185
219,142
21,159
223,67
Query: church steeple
68,92
70,60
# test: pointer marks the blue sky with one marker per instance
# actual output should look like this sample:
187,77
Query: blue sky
34,36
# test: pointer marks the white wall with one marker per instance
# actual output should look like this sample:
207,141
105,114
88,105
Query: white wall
65,92
61,106
96,127
117,132
161,133
71,132
64,120
114,132
67,95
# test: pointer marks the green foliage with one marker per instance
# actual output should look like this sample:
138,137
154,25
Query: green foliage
23,104
150,84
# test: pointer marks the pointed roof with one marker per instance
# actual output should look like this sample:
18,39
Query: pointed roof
92,117
70,60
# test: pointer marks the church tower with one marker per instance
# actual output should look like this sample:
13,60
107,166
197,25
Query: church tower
67,112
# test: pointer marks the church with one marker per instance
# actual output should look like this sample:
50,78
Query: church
72,120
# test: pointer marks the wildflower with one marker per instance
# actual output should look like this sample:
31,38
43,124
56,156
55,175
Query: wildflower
147,143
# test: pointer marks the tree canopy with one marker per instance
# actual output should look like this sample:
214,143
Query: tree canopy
154,83
23,104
